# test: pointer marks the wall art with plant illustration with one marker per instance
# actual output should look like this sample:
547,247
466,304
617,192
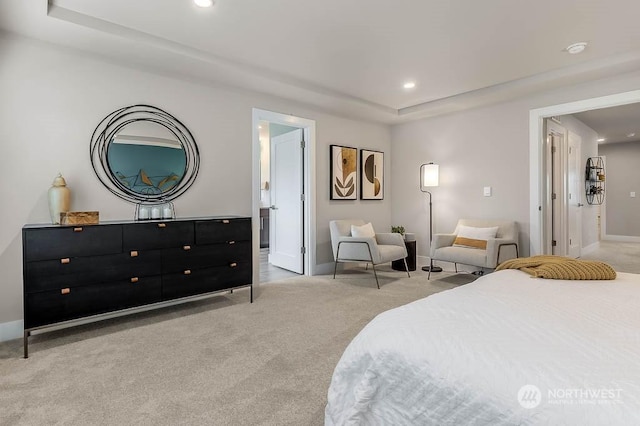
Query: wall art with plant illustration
344,175
371,175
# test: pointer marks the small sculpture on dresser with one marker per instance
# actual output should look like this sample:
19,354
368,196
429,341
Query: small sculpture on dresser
59,199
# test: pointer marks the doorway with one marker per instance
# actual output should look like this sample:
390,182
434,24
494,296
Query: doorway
563,224
540,205
284,198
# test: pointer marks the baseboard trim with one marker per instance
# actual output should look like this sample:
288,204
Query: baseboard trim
590,248
324,269
623,238
11,330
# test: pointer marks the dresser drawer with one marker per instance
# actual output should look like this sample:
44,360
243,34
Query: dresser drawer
223,230
141,236
205,281
78,271
58,243
75,302
199,257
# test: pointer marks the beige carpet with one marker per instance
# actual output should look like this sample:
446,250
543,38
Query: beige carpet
219,361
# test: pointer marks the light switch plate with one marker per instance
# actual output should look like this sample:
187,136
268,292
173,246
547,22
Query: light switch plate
487,191
632,194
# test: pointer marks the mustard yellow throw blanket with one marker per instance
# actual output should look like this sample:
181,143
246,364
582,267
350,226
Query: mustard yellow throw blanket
560,268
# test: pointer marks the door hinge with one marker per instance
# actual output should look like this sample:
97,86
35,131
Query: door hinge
303,250
553,243
302,197
570,149
569,195
553,149
553,196
302,144
570,241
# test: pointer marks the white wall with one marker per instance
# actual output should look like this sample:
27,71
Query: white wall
622,173
474,149
52,99
487,146
588,148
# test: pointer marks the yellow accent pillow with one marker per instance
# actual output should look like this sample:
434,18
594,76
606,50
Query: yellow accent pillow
471,237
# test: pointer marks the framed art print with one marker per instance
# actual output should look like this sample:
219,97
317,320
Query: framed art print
343,172
371,175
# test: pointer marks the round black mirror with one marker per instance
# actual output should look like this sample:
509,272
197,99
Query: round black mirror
143,154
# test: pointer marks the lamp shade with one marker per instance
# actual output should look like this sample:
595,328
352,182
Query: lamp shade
429,175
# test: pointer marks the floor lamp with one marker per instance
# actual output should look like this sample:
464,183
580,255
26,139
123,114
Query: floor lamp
429,178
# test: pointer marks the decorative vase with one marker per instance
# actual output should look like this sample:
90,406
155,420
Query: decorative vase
59,199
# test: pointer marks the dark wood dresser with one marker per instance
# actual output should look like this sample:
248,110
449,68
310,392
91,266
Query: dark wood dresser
73,272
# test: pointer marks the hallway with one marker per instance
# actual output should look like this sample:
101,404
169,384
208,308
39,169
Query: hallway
624,257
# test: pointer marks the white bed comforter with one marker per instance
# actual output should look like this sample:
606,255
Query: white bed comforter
462,357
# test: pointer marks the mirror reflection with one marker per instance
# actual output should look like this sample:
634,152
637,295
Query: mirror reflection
146,158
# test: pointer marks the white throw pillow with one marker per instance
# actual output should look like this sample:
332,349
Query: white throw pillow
469,236
365,230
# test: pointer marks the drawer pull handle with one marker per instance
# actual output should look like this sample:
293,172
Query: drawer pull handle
233,264
225,221
65,260
162,225
135,279
78,229
187,272
134,253
232,242
187,247
65,291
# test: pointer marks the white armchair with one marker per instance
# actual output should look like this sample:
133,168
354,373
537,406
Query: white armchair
503,247
382,248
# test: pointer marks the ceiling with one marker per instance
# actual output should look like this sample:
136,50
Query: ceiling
615,123
352,56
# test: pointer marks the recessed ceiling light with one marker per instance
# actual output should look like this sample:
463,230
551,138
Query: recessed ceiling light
600,140
203,3
630,135
576,48
409,85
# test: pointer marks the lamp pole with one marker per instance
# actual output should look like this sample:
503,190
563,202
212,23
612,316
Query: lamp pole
433,182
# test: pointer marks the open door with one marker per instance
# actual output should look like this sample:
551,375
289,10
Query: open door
575,196
286,238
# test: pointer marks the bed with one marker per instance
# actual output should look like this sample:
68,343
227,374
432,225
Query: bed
506,349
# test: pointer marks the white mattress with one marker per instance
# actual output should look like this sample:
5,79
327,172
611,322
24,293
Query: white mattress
462,357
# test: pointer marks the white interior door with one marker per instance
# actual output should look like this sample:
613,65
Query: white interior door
558,187
574,200
286,237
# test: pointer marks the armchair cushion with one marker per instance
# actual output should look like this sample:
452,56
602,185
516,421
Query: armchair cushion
365,230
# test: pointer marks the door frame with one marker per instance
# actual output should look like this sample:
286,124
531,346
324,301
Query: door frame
537,175
579,188
557,220
308,127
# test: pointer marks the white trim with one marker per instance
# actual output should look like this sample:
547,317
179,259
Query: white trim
622,238
590,248
309,128
11,330
324,268
536,177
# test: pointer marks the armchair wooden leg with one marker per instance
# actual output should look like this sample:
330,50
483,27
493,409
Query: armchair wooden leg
335,267
456,266
406,267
